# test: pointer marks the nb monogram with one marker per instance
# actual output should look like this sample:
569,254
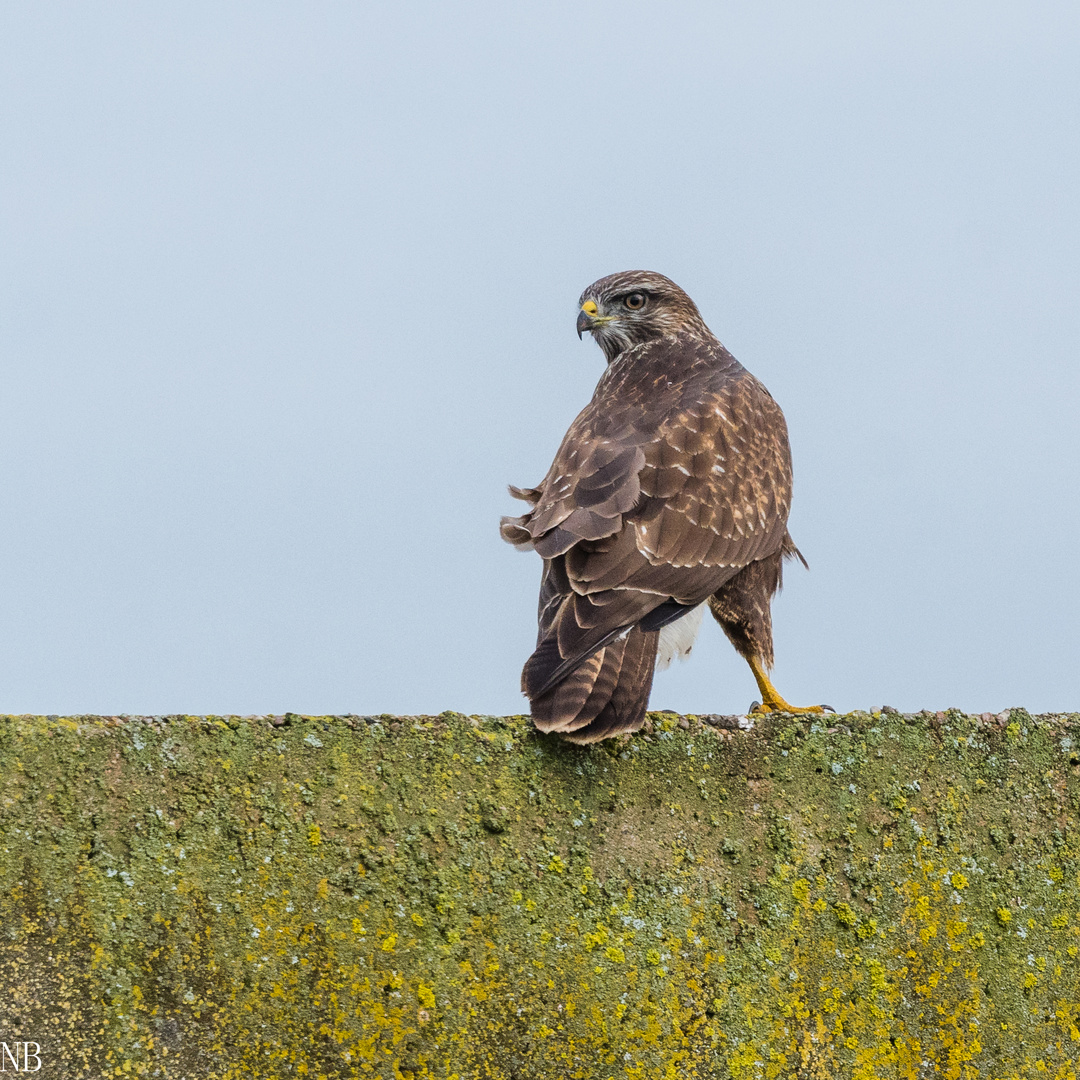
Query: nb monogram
18,1057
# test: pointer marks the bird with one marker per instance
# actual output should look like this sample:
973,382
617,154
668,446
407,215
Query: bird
670,492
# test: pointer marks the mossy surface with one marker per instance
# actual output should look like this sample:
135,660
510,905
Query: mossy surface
870,896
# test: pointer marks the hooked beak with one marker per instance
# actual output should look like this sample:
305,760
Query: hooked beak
588,317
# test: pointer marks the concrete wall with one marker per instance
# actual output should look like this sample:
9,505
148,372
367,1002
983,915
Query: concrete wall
871,896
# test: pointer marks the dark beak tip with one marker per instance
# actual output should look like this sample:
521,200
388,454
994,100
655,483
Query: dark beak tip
584,322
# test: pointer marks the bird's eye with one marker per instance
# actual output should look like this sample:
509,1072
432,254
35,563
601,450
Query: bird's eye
635,301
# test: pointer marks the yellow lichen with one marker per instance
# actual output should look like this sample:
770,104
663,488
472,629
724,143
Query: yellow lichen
489,904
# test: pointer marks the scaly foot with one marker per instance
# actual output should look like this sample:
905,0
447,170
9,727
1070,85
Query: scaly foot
771,701
780,705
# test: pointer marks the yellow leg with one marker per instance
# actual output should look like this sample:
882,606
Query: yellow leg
771,701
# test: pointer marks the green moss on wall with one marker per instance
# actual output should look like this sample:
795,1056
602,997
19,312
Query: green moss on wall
873,896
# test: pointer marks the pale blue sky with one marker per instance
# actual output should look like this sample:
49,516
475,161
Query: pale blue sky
288,293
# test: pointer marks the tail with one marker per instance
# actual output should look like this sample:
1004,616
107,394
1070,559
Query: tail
605,695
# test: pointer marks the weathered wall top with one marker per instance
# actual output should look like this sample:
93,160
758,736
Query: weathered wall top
872,895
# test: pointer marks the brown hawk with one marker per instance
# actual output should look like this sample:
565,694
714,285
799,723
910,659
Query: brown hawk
671,489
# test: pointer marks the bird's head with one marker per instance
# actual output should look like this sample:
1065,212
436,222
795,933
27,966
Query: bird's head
633,307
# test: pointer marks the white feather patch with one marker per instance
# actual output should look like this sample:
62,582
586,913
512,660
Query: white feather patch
677,638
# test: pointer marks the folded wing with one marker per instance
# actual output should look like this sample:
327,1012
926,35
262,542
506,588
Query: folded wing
673,478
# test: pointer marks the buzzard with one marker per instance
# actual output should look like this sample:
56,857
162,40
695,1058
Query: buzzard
670,490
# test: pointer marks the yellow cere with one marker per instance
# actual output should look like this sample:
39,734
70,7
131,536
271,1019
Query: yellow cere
590,308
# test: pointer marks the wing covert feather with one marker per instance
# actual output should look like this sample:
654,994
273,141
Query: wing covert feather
674,477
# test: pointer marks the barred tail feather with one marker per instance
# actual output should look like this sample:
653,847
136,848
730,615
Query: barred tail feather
605,695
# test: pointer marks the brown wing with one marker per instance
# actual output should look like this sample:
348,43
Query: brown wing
675,476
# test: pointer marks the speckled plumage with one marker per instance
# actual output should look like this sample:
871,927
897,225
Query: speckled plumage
672,487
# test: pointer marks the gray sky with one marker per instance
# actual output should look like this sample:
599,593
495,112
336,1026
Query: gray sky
288,296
